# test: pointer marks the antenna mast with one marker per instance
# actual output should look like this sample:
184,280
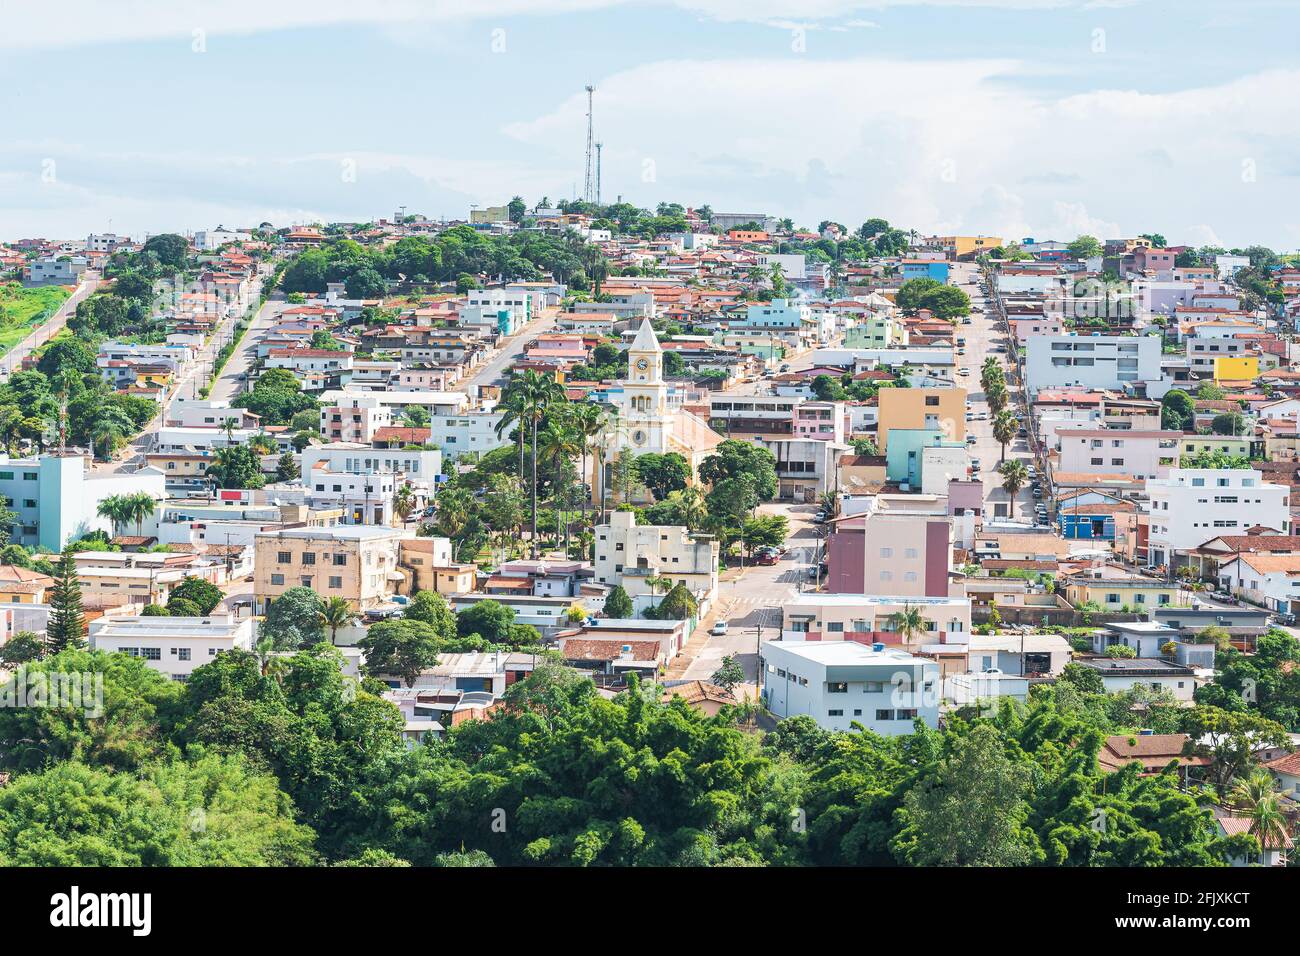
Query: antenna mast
589,186
598,149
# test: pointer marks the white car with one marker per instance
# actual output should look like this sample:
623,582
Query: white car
718,629
963,371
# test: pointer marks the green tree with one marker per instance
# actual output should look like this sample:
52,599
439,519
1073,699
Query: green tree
1014,477
286,468
22,648
430,607
617,603
489,619
204,594
402,647
293,619
67,624
1085,247
336,612
729,673
1004,430
663,474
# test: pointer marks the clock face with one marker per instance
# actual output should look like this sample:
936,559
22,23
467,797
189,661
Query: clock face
638,437
642,364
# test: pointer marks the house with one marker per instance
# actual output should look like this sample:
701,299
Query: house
1111,587
23,585
708,699
174,646
1154,752
839,684
1120,674
1105,451
1272,580
1274,851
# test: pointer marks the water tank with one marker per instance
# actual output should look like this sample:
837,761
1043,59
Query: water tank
878,648
1146,732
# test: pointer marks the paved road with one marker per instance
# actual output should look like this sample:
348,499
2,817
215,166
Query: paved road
494,372
51,327
981,335
229,385
753,597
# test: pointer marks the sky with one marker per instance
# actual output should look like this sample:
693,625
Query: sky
1013,118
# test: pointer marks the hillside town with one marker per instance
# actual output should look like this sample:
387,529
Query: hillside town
794,483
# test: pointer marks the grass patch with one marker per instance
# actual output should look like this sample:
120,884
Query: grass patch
22,310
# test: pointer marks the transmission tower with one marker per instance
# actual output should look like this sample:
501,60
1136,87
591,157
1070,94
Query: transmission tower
589,187
598,149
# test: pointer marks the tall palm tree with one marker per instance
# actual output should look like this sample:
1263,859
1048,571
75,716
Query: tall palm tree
140,506
996,396
557,446
336,612
1257,798
539,392
1004,430
907,623
404,502
695,510
1014,476
587,420
511,407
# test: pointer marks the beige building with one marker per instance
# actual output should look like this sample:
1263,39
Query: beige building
428,564
939,409
357,562
870,619
629,555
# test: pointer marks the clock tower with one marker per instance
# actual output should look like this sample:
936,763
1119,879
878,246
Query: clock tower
645,394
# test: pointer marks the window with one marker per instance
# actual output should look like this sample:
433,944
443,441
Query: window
835,627
336,582
283,557
837,687
308,557
884,715
277,579
151,653
182,653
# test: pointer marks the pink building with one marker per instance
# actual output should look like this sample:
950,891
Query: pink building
821,421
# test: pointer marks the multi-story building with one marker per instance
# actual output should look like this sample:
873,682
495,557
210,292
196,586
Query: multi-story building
1193,505
354,416
56,500
932,409
870,618
900,546
1104,451
359,563
174,646
806,467
839,684
629,555
470,431
60,270
1091,361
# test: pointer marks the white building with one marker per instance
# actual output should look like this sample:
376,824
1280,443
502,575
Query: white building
1091,361
208,240
1110,451
842,683
474,431
629,555
172,645
1193,505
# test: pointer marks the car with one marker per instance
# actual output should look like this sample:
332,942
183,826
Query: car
974,464
963,371
819,517
1037,492
718,629
970,439
1022,433
814,573
961,351
767,559
966,321
785,368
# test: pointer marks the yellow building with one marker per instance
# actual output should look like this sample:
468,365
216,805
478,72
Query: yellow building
942,409
1215,445
357,562
1116,588
1236,368
429,564
961,247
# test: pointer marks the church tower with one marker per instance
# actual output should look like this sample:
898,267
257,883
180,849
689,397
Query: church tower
645,393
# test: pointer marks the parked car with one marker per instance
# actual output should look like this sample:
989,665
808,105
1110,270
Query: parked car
718,629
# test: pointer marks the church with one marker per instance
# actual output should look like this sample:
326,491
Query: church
648,421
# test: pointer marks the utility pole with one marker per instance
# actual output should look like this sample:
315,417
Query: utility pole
599,147
589,186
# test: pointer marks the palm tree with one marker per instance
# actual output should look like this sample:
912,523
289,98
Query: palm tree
404,502
1257,798
140,505
558,445
996,396
335,613
695,510
115,509
586,420
830,502
539,393
454,507
1014,477
1004,430
110,426
907,623
511,407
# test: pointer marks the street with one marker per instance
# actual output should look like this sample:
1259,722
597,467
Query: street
51,327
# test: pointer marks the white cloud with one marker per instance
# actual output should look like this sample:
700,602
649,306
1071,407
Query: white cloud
32,26
943,145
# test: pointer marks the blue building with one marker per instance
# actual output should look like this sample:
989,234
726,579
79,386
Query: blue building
925,269
1086,527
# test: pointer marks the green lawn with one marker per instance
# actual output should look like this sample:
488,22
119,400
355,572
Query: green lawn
22,310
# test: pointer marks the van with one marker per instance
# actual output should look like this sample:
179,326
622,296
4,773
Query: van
961,340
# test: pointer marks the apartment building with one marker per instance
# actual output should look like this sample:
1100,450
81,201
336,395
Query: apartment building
806,468
883,689
1192,505
1091,361
900,546
354,416
174,646
869,618
469,431
629,554
930,409
1104,451
357,562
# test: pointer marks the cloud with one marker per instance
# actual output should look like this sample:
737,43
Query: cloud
960,145
32,26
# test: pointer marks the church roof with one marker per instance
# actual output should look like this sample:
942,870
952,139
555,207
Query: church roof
646,340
